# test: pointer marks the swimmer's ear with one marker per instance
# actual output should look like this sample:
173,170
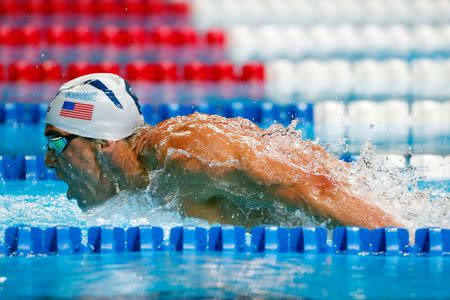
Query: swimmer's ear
105,145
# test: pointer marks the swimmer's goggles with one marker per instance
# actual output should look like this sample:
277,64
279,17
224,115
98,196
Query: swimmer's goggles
59,143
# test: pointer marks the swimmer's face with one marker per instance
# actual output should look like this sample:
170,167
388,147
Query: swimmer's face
79,166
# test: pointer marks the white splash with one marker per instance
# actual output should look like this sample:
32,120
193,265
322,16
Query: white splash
394,189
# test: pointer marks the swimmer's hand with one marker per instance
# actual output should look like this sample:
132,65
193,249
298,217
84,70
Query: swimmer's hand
297,172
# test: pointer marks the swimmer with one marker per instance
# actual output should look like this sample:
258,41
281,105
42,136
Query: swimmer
99,146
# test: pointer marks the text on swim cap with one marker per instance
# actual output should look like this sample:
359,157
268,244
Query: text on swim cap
87,96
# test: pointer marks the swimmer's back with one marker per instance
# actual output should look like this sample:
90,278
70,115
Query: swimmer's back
203,142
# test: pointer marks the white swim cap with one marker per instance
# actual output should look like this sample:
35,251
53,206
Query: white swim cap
99,106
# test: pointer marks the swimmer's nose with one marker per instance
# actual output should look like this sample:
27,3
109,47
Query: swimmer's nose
50,159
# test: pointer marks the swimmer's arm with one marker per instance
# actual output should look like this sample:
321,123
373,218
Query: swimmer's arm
341,205
321,192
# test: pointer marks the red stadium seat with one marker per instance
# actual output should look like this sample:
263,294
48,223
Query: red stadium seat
32,35
136,35
185,36
109,67
86,7
166,71
161,35
177,9
39,7
79,68
11,36
60,35
252,71
195,71
59,7
83,35
24,71
154,7
10,7
222,71
113,35
135,7
51,71
215,37
137,71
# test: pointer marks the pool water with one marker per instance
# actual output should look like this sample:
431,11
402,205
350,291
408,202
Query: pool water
192,274
209,275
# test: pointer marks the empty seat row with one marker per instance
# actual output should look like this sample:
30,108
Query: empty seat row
24,71
14,115
394,115
68,44
154,82
281,80
255,12
393,124
93,8
131,36
295,42
311,80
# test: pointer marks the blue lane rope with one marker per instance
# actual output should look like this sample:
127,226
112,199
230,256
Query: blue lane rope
260,112
388,241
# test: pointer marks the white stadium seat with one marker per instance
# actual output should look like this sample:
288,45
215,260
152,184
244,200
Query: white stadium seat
328,12
397,122
426,118
271,41
311,79
280,76
329,121
368,78
365,121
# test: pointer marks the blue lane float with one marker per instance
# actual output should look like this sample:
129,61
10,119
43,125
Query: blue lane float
227,238
389,241
351,240
144,238
433,241
188,238
106,239
258,111
23,240
269,239
308,240
61,240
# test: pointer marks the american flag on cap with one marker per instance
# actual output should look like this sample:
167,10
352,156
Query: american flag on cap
77,110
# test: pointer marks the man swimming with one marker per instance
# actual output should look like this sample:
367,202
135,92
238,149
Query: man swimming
99,145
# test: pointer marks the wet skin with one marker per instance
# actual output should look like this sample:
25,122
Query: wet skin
201,150
87,168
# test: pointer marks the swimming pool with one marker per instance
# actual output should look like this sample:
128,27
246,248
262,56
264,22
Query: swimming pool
262,264
348,71
223,275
